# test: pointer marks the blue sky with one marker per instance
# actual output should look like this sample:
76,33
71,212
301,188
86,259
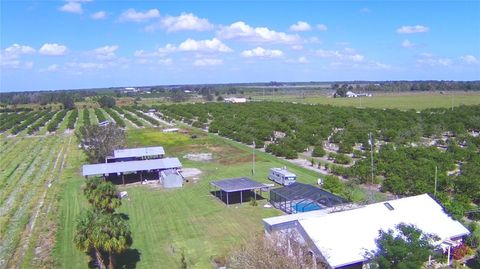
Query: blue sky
92,43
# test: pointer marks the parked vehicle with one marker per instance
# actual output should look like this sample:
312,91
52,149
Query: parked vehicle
282,176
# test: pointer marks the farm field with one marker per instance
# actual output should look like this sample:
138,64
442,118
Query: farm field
30,173
41,198
401,101
167,222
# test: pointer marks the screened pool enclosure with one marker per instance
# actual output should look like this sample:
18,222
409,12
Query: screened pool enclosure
299,197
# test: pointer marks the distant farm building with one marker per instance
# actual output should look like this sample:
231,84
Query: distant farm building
341,239
351,94
104,123
137,164
170,130
235,100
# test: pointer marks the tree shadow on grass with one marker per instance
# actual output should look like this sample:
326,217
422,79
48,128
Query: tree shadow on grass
128,259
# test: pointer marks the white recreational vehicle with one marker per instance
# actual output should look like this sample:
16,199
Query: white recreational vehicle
282,176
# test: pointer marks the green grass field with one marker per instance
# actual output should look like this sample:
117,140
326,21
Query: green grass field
190,220
402,101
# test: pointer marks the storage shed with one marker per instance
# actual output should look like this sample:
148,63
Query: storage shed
171,178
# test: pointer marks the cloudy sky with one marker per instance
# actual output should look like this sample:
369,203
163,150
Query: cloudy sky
92,43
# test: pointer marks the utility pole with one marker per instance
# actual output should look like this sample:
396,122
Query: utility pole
452,101
253,159
436,179
370,140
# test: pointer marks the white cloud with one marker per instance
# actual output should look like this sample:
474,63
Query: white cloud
299,60
261,52
213,45
28,65
303,60
296,47
347,54
72,7
412,29
469,59
429,59
106,52
138,16
167,61
10,57
100,15
53,49
300,26
86,65
184,22
16,50
378,65
322,27
242,31
160,52
51,68
408,44
208,62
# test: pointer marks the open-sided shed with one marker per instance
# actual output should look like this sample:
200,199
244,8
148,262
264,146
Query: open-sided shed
121,168
227,188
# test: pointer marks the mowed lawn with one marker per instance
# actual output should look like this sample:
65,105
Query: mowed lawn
403,101
166,223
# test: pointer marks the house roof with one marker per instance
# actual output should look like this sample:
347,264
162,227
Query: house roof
130,166
237,184
138,152
344,237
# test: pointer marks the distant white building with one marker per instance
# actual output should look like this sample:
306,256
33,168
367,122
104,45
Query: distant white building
342,239
351,94
235,100
170,130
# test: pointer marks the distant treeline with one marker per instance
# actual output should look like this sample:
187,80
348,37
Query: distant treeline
179,93
44,97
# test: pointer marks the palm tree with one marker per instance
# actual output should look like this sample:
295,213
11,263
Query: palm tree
114,236
85,238
102,195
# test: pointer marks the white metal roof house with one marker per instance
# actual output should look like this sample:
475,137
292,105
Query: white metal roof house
343,238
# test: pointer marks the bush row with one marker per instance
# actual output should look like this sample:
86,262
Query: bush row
72,118
100,116
143,116
27,122
118,120
86,117
38,124
53,124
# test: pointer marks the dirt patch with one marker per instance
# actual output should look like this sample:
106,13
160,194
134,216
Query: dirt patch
199,157
191,172
236,158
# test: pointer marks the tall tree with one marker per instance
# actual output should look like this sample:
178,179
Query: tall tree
102,195
114,236
107,101
100,141
85,238
407,247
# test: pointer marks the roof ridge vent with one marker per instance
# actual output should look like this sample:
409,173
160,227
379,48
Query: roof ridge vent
389,206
